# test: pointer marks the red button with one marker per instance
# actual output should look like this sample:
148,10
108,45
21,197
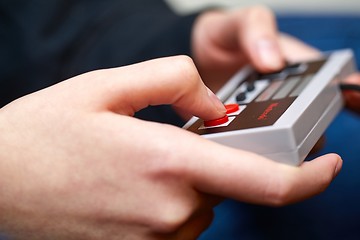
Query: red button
216,122
231,108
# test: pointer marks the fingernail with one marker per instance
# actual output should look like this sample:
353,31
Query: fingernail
269,54
338,167
217,103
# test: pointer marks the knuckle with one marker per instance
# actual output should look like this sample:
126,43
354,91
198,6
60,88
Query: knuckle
259,12
186,68
172,217
188,78
285,189
185,61
278,191
279,197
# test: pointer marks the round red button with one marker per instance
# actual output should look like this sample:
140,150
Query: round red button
231,108
216,122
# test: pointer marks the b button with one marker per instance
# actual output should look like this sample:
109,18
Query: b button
231,108
216,122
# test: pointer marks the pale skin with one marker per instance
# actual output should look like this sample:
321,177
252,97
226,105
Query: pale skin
75,164
224,41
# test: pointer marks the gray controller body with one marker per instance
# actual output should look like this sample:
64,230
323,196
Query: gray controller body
282,115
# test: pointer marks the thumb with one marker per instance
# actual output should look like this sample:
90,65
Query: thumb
244,176
171,80
258,36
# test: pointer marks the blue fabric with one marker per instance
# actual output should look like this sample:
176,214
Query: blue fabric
325,32
334,214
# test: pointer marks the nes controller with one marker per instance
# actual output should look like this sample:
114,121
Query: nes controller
280,115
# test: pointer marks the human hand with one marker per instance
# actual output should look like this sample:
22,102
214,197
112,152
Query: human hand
75,164
224,41
352,98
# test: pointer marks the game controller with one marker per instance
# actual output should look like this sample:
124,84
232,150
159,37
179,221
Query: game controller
283,114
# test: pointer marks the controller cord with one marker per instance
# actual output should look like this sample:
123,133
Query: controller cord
351,87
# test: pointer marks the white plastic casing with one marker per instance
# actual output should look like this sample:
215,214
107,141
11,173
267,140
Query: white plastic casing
293,135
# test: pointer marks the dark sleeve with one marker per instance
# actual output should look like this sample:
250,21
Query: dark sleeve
43,42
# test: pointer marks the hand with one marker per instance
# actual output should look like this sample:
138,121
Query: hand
224,41
352,98
75,164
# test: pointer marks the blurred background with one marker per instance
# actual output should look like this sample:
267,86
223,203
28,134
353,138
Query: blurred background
298,6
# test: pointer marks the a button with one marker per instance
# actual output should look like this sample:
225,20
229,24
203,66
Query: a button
231,108
216,122
250,86
241,96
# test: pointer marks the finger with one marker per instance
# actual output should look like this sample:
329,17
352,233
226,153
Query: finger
172,80
295,50
352,98
251,178
353,79
258,36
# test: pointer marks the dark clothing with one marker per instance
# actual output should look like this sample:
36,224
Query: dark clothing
45,41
